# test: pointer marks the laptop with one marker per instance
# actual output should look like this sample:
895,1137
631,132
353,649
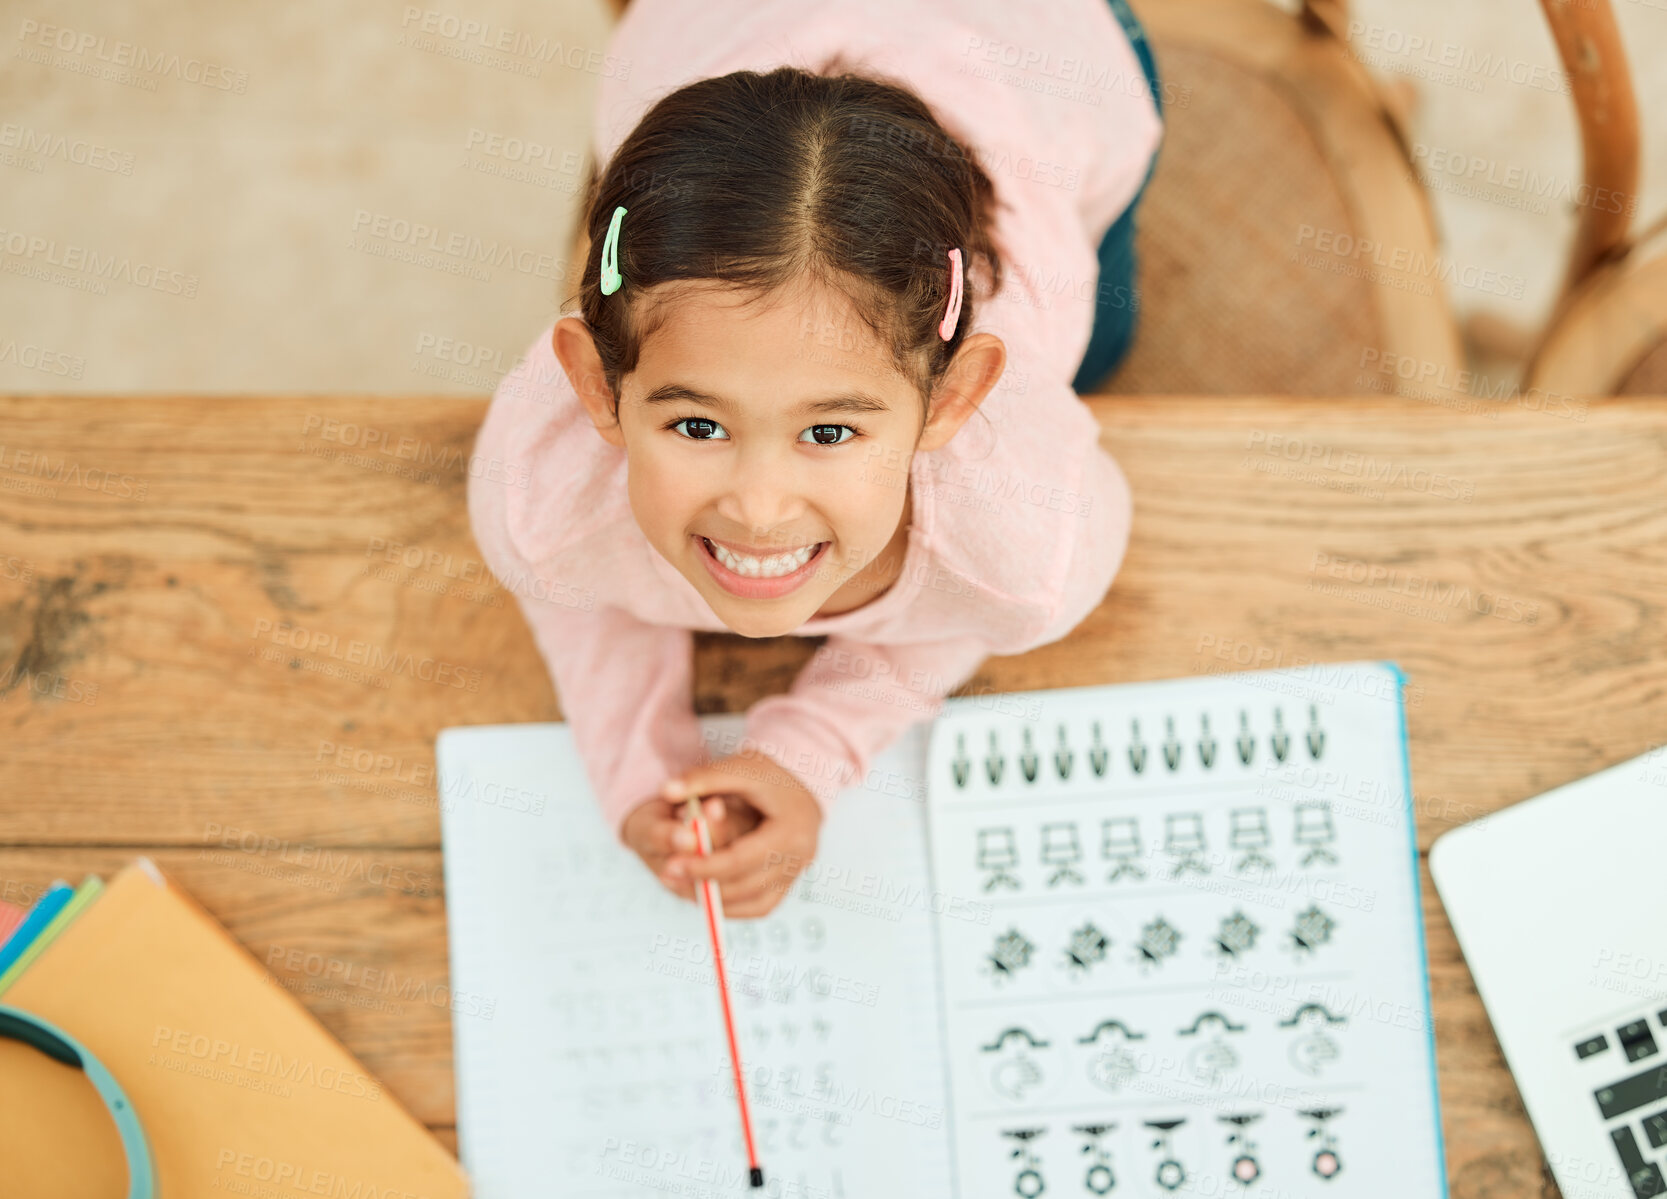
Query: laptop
1560,907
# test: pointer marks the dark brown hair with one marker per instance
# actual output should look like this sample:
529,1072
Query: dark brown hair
758,180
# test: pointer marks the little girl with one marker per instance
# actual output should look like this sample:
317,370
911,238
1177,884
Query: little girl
821,378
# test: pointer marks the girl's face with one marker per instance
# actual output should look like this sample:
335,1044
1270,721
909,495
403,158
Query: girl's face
769,447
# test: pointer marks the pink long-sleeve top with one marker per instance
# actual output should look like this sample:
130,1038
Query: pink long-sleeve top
1019,523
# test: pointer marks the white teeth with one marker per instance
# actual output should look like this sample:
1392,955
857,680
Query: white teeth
772,567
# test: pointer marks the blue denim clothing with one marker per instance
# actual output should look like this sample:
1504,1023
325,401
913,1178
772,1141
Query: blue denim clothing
1117,300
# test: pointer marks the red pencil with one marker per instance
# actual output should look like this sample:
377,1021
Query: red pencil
712,904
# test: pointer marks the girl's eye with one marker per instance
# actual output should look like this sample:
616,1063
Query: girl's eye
701,426
815,430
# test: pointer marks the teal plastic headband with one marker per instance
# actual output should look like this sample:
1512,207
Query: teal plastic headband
19,1025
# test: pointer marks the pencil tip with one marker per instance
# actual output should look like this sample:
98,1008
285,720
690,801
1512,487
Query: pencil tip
758,1176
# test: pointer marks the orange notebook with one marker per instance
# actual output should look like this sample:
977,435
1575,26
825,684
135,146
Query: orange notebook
239,1088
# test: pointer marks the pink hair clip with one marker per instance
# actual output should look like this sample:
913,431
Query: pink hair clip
946,329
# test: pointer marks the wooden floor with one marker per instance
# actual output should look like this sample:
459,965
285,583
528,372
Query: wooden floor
183,581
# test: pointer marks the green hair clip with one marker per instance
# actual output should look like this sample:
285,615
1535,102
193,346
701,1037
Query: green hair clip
610,254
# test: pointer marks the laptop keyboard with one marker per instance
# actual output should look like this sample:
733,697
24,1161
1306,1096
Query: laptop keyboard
1637,1099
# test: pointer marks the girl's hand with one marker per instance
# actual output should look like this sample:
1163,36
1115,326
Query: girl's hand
659,828
759,867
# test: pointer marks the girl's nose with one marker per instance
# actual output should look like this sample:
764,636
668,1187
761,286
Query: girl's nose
762,497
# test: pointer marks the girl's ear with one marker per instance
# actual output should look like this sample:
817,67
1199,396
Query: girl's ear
576,351
971,376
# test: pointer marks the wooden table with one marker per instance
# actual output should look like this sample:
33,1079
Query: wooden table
161,559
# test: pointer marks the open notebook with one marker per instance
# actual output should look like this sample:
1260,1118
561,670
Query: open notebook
1140,939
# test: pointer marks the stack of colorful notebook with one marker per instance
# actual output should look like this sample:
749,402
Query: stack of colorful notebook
10,917
237,1087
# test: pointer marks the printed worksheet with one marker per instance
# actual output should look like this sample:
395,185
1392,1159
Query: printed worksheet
591,1057
1205,972
1132,940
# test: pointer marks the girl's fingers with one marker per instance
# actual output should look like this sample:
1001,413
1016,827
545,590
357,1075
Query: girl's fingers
721,831
653,831
744,890
735,899
672,833
730,830
735,860
751,909
669,843
765,900
744,818
682,889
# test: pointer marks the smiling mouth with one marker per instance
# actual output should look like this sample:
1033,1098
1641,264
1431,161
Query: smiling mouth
772,566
